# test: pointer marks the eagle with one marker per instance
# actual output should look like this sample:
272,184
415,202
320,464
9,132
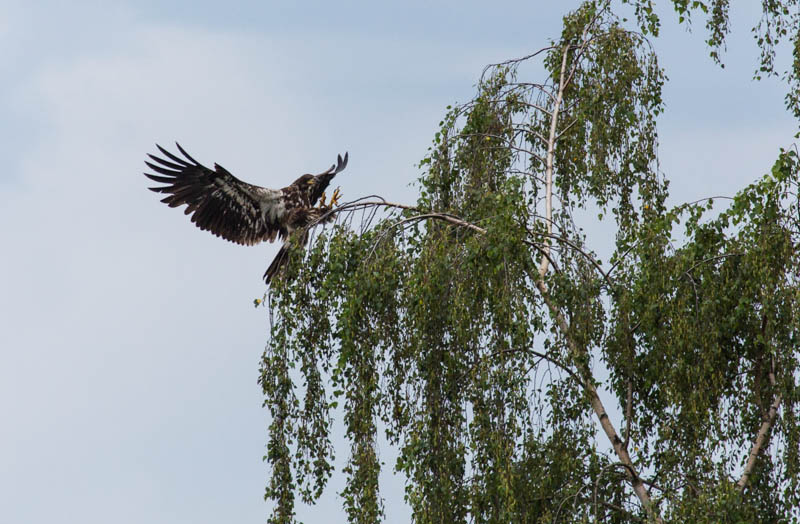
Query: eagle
240,212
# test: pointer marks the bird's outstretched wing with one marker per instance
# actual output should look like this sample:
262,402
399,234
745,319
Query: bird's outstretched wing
322,180
218,201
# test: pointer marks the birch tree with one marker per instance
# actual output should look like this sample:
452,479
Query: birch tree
522,376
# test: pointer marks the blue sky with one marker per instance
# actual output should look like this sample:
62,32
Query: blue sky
129,346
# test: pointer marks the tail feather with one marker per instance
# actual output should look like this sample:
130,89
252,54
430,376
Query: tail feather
277,263
282,258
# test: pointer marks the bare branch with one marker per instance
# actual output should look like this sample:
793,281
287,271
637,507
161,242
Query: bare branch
578,249
621,258
761,438
537,107
566,128
509,143
515,60
709,259
551,147
628,412
579,356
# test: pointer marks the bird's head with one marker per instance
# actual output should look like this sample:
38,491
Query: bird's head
305,181
306,185
312,186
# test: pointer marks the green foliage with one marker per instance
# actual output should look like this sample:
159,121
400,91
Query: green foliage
613,99
779,25
713,319
475,328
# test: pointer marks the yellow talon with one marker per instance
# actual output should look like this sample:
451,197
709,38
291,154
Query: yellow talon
335,197
322,200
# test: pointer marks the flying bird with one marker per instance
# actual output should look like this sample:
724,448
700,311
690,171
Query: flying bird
240,212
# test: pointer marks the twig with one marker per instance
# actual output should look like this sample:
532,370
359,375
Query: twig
709,259
514,60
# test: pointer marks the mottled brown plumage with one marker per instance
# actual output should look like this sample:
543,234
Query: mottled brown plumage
235,210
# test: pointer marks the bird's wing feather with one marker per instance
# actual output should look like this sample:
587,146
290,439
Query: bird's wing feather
218,201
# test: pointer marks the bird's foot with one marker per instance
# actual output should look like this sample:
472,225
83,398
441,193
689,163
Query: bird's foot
335,197
322,200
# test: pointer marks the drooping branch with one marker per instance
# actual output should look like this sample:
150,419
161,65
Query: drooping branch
516,60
